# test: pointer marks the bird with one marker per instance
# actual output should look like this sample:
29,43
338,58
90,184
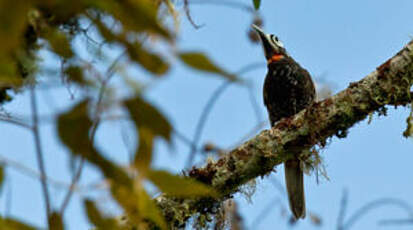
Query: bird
288,89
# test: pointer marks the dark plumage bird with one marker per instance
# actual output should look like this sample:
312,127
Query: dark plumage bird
288,89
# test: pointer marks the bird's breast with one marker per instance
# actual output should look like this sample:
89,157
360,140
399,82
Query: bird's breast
288,89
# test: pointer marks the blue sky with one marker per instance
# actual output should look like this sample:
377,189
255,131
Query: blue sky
338,41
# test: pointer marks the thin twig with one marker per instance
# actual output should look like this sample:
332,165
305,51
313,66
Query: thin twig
109,73
15,122
250,67
264,212
179,135
19,167
31,172
230,4
188,15
250,133
202,120
342,212
397,222
208,107
39,152
77,175
72,186
277,184
9,198
126,141
373,205
277,200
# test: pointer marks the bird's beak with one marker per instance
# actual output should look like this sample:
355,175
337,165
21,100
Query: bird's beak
266,41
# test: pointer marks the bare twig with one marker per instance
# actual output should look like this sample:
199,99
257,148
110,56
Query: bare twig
250,67
126,142
15,122
374,205
109,73
254,130
208,107
31,172
277,184
343,208
179,135
9,198
265,212
19,167
230,4
39,152
408,221
202,120
188,15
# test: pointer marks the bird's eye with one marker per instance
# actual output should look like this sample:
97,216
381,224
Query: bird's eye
276,40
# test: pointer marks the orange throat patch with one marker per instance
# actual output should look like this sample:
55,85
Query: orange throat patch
275,58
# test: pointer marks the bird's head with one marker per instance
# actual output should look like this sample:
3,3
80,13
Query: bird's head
273,48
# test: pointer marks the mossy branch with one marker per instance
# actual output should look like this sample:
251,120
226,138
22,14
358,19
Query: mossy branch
389,84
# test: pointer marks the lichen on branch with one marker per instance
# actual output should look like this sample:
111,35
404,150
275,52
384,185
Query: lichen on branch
389,84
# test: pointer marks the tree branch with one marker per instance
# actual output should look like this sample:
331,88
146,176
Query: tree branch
389,84
39,153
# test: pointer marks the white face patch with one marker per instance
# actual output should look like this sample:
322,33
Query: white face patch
276,41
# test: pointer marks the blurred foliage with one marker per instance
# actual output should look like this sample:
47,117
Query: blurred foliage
11,224
150,123
179,186
97,219
28,27
200,62
56,221
257,4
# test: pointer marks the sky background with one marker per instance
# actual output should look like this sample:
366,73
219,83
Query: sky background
338,42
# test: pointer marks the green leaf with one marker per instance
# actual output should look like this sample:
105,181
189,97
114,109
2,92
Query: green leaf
97,219
138,205
136,16
127,198
143,156
56,221
8,72
150,61
73,127
104,31
12,224
179,186
257,4
201,62
13,22
150,123
60,43
149,210
75,74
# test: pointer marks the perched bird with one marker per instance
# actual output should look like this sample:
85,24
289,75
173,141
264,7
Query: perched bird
288,89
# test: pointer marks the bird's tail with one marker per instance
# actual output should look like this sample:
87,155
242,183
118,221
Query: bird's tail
294,179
